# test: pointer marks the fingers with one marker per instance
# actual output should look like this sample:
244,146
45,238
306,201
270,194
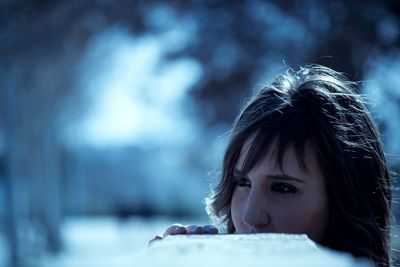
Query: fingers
175,229
210,230
193,229
156,238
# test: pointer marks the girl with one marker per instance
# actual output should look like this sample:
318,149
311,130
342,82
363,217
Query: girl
305,156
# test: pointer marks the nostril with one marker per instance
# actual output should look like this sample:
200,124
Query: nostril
259,228
257,222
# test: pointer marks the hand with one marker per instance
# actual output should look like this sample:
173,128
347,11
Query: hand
191,229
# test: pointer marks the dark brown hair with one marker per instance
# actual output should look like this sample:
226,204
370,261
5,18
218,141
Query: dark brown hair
319,105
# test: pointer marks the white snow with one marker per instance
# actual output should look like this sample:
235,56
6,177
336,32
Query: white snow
244,250
109,242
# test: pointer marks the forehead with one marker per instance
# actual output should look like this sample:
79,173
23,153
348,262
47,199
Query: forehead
291,160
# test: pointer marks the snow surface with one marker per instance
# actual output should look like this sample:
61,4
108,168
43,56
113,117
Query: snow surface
106,241
244,250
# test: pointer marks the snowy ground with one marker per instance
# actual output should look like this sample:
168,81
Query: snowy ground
106,241
284,250
98,241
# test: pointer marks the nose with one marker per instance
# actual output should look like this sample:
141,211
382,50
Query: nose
256,215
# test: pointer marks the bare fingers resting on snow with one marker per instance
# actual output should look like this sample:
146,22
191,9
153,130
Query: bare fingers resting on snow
191,229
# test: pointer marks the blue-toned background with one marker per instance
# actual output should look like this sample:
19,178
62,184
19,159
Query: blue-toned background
114,114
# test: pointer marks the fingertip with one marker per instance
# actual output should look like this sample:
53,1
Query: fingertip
193,229
175,229
210,229
156,238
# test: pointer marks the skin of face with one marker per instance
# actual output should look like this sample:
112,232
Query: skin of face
269,199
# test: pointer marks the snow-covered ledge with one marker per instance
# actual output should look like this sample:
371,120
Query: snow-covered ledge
244,250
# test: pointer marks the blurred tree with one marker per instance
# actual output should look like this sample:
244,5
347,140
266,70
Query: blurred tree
237,43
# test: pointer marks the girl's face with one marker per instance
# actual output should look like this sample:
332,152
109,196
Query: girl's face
271,200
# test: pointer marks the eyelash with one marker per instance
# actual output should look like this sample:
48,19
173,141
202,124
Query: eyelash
283,188
242,181
277,187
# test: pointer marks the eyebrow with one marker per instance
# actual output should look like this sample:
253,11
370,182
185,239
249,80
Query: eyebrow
284,177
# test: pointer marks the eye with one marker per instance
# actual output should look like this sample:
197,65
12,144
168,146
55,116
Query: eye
243,181
283,188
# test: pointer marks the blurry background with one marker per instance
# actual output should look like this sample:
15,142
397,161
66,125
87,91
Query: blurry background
114,114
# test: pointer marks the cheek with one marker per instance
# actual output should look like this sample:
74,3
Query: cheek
237,207
319,221
305,217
